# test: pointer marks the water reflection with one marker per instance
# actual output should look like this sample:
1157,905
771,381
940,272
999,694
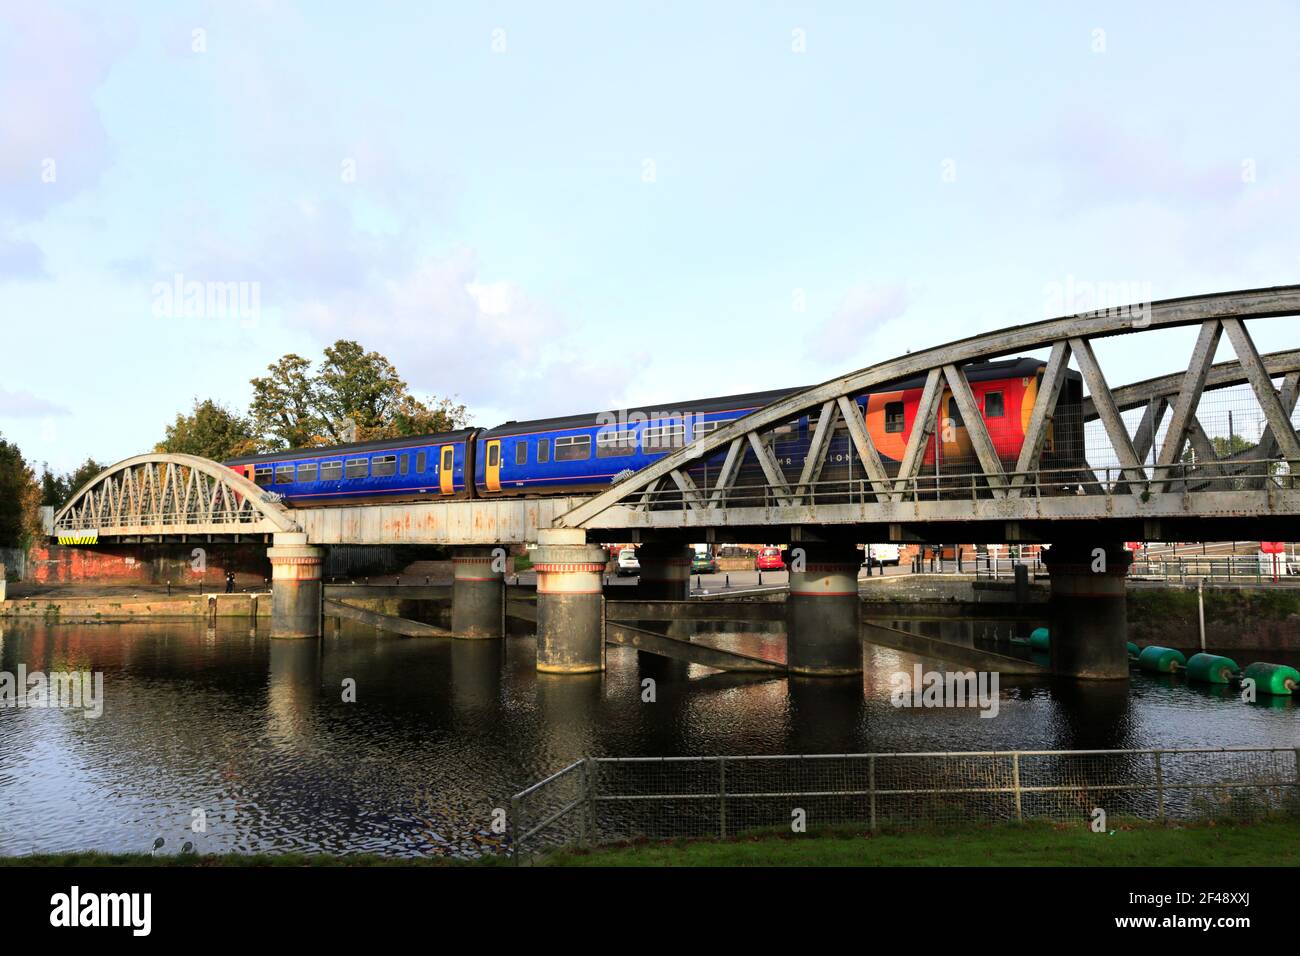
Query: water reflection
259,736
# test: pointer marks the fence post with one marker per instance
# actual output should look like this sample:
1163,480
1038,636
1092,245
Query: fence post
871,786
722,797
517,821
590,771
1160,787
1015,782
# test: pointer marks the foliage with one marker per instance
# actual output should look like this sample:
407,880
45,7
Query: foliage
57,489
354,395
20,498
210,431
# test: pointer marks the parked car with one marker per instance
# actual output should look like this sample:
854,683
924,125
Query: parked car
627,563
769,559
703,561
883,554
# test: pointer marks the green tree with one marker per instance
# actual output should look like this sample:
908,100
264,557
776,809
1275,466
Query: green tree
211,430
354,395
56,489
20,497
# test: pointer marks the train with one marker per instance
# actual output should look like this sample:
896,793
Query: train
585,453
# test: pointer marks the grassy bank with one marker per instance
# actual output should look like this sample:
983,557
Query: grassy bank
1271,843
1031,844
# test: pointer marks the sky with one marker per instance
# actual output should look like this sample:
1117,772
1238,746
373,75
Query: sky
553,208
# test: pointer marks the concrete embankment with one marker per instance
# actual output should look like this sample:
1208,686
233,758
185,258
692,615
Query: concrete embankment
69,609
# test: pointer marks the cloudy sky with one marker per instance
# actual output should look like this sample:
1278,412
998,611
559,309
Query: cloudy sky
550,208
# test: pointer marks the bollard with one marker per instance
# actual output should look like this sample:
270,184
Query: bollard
760,578
727,581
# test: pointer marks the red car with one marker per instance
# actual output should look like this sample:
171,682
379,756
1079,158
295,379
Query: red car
769,559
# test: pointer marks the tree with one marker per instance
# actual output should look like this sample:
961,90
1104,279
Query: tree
355,395
210,431
20,497
56,489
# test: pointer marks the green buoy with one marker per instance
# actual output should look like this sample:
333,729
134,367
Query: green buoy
1040,639
1211,668
1161,660
1133,649
1275,679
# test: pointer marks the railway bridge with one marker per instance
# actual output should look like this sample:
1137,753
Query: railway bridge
1206,453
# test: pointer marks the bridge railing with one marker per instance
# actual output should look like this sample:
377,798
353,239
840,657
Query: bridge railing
144,520
1244,475
603,799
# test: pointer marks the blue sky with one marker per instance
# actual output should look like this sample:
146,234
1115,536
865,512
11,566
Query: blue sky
554,208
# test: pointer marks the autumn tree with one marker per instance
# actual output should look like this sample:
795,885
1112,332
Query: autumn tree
56,489
211,430
20,498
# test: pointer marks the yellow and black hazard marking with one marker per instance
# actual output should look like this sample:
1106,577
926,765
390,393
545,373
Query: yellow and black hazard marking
80,537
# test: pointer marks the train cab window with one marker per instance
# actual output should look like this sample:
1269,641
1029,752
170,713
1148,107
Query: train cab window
284,474
262,474
521,452
993,405
611,443
404,463
573,448
543,450
307,471
331,470
421,461
954,414
357,468
894,418
663,437
383,466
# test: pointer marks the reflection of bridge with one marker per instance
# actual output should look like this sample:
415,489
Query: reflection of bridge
1171,470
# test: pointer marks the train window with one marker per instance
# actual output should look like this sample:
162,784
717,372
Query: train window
331,470
993,405
663,437
284,474
543,450
421,461
307,471
573,448
262,474
954,414
521,452
611,443
404,463
448,458
384,465
357,468
705,428
494,454
894,418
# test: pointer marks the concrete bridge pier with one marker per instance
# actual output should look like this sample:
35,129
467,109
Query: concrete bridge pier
822,610
1087,612
570,618
296,591
477,592
665,572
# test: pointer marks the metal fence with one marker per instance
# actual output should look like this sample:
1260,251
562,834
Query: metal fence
602,800
1230,568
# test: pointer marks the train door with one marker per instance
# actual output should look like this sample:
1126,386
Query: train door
492,465
447,470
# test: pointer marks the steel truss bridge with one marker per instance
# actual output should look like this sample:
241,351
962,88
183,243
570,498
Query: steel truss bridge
1158,463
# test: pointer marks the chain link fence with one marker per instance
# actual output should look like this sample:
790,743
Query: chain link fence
605,800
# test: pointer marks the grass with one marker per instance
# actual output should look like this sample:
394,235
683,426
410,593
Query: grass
1272,843
1267,843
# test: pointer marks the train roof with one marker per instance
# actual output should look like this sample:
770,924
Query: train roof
330,451
660,410
981,372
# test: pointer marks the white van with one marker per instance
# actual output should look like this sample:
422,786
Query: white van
883,554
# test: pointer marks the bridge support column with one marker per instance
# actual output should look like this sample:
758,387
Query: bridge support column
570,620
665,572
295,586
822,610
1088,613
477,592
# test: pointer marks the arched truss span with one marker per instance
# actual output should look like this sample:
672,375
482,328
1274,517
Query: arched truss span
167,494
995,490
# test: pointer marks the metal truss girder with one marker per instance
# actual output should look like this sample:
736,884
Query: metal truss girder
976,430
771,468
1189,397
1262,383
1049,393
922,428
1129,462
866,448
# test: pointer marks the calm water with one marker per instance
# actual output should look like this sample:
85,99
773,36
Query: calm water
255,732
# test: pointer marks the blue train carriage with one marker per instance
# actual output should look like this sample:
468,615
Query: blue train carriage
419,467
584,453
